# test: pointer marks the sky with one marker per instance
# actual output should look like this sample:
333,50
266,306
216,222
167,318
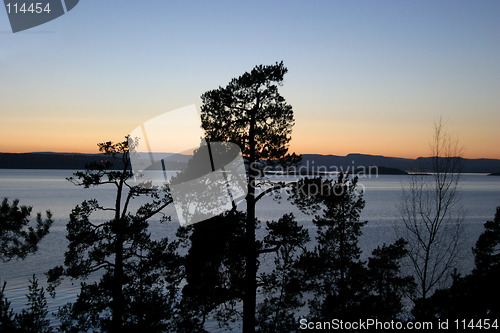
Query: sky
366,77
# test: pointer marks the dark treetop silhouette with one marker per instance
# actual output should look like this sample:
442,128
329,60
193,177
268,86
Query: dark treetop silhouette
18,238
250,112
139,274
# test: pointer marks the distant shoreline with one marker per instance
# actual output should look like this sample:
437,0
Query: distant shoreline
312,163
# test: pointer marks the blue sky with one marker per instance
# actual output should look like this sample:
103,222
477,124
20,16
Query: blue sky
364,76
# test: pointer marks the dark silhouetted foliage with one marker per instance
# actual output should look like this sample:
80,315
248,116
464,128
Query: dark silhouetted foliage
137,275
7,316
341,284
251,113
388,287
33,319
337,271
214,270
476,295
18,237
282,288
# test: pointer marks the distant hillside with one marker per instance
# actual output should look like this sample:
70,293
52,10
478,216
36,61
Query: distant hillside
49,161
69,161
310,162
353,162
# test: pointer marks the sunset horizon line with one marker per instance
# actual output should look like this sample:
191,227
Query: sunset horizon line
306,153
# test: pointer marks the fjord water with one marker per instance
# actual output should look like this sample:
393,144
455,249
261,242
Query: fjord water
49,190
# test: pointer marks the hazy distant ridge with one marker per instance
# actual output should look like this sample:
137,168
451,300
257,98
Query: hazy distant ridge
47,160
347,163
74,161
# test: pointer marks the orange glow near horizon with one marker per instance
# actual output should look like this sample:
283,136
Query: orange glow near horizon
315,132
302,143
360,79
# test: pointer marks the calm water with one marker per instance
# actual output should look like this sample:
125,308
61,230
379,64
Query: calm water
48,189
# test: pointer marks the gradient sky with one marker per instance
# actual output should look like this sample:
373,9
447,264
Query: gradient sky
364,76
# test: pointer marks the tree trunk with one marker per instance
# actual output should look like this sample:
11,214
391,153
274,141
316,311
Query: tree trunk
117,288
250,288
117,305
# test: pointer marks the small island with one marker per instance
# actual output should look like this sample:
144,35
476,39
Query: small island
494,174
383,171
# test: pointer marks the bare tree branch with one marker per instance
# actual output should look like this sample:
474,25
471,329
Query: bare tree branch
432,222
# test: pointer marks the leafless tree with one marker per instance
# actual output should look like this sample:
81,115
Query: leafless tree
431,214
